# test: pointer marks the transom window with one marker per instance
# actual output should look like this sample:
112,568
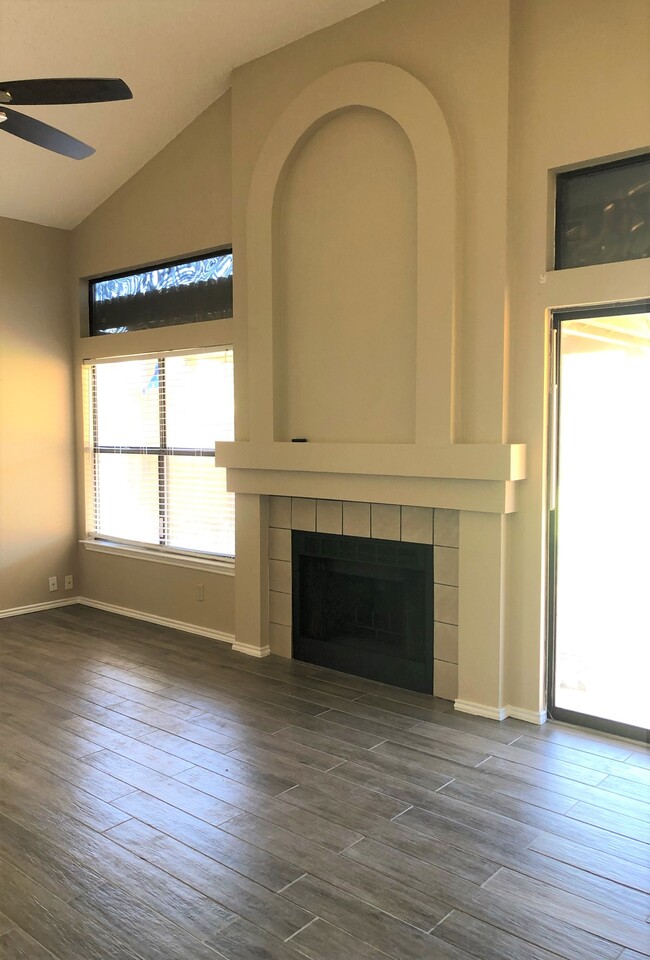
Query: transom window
603,213
187,291
151,424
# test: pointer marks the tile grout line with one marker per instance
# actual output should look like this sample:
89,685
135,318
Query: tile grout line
283,792
350,845
484,760
291,883
442,920
444,785
493,875
308,924
335,766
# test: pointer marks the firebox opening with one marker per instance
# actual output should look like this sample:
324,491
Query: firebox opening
364,607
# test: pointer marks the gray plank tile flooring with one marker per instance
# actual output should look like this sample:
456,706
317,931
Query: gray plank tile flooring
162,798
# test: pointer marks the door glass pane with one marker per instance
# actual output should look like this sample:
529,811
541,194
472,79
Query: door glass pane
602,639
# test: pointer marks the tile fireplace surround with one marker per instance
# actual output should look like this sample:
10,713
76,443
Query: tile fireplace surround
374,520
465,520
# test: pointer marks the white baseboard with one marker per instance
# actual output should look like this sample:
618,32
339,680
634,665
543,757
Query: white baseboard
219,635
530,716
480,710
36,607
251,650
500,713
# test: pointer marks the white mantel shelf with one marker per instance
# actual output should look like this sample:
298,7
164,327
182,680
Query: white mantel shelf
462,461
460,476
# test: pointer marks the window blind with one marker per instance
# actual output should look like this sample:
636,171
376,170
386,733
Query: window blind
150,427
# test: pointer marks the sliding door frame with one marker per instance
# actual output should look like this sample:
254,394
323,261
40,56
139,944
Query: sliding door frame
554,712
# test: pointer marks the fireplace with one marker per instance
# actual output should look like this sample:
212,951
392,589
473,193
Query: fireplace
364,606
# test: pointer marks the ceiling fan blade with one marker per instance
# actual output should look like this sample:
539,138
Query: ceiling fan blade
63,90
43,135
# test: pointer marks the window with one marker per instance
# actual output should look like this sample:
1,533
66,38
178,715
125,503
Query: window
603,213
150,425
187,291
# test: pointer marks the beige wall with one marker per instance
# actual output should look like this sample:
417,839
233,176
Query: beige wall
37,481
347,259
580,91
178,204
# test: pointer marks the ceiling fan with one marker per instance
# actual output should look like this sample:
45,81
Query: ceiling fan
53,91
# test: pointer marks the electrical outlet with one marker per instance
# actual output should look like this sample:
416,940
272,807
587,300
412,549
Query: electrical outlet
200,592
53,584
68,583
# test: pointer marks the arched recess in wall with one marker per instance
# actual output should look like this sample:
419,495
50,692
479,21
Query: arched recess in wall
325,314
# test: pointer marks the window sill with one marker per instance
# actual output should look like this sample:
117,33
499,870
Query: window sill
221,565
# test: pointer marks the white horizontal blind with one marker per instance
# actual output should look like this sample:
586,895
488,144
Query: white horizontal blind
150,425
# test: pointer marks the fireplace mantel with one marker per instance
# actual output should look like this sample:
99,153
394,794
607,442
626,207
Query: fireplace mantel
474,477
478,480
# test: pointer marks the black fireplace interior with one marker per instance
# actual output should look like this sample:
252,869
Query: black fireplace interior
364,607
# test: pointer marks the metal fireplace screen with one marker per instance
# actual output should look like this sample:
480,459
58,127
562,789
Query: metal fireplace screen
364,607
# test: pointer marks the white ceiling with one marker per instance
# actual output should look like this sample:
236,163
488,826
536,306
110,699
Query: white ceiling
176,55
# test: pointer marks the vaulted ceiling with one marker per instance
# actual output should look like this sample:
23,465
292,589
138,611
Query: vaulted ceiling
176,55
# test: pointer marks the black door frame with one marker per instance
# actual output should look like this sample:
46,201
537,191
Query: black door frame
554,712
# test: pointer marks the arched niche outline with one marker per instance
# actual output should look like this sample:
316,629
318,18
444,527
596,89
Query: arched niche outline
394,92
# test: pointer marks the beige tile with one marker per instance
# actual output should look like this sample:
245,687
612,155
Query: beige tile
303,514
280,512
445,565
445,642
280,639
385,521
279,544
356,519
280,576
280,608
445,528
329,516
445,680
445,604
417,524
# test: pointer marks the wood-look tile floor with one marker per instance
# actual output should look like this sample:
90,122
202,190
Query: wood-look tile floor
163,798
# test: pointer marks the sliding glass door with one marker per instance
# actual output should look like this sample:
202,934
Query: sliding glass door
600,520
